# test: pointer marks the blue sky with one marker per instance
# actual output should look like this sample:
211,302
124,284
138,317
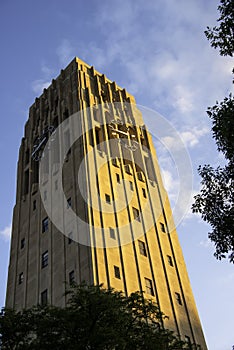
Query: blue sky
156,49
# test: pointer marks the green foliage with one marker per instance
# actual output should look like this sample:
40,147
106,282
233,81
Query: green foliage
95,318
222,37
215,202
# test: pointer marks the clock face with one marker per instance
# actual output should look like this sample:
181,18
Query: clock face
124,136
41,141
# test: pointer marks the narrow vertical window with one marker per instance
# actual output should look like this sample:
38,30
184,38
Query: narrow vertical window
162,226
70,236
69,203
26,181
97,135
44,297
170,261
22,243
45,225
108,198
144,192
131,185
112,233
178,298
136,214
149,286
44,259
34,204
71,277
21,277
118,178
117,272
142,248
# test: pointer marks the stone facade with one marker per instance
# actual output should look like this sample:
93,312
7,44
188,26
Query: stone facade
143,257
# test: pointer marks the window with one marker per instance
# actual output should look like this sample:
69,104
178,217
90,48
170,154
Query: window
149,286
131,185
45,225
108,198
44,259
170,261
45,195
118,178
117,272
71,277
91,140
112,233
136,214
178,298
21,277
34,204
142,248
44,297
144,192
97,135
70,236
69,202
22,243
56,185
162,226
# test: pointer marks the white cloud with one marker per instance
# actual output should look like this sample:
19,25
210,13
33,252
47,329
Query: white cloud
6,233
206,243
39,85
65,52
192,136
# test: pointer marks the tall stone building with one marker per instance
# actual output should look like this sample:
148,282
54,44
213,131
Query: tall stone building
111,222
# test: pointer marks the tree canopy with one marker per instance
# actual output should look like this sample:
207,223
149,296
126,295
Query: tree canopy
222,36
95,318
215,202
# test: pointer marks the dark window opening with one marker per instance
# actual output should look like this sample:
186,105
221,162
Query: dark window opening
136,214
55,122
22,243
170,261
118,178
112,233
45,225
178,298
70,236
108,198
34,204
44,259
71,277
44,297
142,248
21,278
97,135
149,286
69,203
144,192
117,272
162,226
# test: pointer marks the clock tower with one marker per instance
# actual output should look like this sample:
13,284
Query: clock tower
91,205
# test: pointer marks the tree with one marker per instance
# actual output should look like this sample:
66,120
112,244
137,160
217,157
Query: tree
215,202
223,36
95,318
